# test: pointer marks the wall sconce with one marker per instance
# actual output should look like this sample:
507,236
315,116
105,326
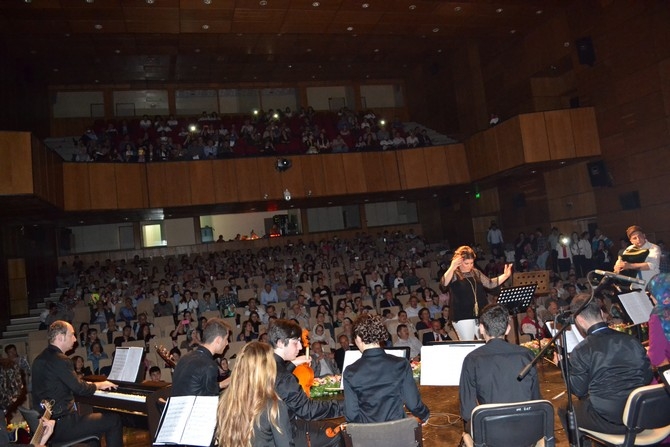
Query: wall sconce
287,195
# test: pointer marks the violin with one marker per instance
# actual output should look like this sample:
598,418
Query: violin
304,372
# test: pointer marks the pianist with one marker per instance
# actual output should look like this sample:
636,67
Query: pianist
54,379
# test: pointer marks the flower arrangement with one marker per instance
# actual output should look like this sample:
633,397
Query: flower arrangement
325,386
416,369
537,345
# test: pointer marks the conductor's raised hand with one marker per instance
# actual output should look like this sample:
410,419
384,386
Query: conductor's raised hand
508,270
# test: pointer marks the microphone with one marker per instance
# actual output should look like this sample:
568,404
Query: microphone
620,277
565,317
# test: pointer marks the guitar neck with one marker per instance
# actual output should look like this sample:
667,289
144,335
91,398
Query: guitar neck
39,431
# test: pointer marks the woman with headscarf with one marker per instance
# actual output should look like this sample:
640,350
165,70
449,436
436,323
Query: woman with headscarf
659,320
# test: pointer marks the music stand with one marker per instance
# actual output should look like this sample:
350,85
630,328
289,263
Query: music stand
514,298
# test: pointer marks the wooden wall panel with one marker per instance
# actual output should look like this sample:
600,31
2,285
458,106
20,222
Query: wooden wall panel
131,185
16,175
457,164
374,173
559,134
333,174
293,178
391,170
269,179
534,137
177,183
55,180
102,180
246,173
201,181
585,132
76,189
313,175
414,174
436,166
490,153
224,182
354,173
156,184
509,144
474,148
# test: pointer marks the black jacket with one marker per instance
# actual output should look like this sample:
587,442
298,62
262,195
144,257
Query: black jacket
606,366
298,404
196,374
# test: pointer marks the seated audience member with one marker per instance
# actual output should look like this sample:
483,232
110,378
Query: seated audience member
96,355
604,368
125,336
323,363
413,307
378,386
398,140
405,339
339,145
80,370
489,373
389,300
155,374
252,413
247,333
437,333
532,326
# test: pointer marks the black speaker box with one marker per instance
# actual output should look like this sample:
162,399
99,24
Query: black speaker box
630,200
598,174
585,51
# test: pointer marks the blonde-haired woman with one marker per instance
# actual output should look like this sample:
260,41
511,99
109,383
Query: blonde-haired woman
251,414
467,287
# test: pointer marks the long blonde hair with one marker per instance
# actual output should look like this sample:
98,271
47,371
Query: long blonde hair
251,392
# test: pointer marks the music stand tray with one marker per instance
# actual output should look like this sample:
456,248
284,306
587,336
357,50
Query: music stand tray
515,298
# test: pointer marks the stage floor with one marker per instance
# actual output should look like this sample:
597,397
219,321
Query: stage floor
445,426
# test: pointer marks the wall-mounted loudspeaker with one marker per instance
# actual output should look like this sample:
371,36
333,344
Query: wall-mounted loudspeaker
598,174
585,51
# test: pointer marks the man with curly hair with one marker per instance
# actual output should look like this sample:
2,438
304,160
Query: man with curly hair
378,384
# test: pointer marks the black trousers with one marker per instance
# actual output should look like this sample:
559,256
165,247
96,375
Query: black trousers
316,434
74,427
588,418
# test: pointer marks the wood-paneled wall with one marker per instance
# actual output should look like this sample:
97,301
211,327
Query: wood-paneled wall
111,186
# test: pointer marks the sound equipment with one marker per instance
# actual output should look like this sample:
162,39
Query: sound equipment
598,174
585,51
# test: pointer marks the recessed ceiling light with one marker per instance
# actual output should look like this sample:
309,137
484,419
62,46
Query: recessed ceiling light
365,5
195,67
33,52
205,27
316,4
89,1
439,50
150,2
512,31
97,26
350,28
499,10
263,2
207,2
27,1
96,80
436,30
55,70
290,66
309,50
566,44
412,7
197,50
67,34
313,77
117,51
376,50
539,11
458,9
239,34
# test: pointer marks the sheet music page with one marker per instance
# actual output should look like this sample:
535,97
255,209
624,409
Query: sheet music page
572,335
201,423
174,420
637,305
126,364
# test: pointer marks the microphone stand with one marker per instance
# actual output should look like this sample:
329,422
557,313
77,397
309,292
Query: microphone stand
573,428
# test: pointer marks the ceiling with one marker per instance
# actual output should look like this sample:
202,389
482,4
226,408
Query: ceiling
67,42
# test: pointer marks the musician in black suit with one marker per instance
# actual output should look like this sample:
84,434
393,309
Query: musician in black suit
436,335
54,380
378,386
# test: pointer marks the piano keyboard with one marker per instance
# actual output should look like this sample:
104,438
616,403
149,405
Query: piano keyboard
121,396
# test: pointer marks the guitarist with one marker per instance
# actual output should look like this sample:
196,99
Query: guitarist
54,379
11,388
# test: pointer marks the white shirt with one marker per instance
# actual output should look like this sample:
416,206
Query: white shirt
413,343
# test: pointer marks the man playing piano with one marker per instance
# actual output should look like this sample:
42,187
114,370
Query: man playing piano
196,373
54,380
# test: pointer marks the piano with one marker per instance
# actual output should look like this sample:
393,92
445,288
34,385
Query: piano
139,399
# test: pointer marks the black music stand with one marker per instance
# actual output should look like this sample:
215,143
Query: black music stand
515,298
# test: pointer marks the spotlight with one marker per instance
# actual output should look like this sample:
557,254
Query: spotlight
287,195
192,127
283,164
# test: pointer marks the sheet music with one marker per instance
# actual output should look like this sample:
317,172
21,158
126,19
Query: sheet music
188,420
637,305
353,355
126,364
441,364
572,335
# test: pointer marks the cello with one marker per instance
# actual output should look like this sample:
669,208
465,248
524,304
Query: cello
304,372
